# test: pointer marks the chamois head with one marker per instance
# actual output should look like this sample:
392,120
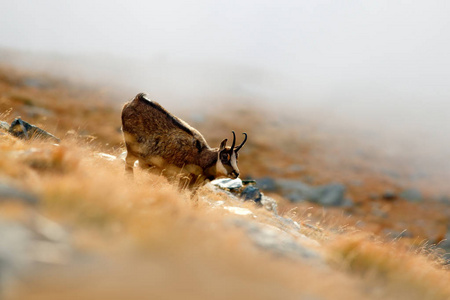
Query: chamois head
228,157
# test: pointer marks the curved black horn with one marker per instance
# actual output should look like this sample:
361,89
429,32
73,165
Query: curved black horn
240,146
234,140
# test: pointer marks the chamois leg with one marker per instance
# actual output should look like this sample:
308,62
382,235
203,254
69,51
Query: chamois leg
129,163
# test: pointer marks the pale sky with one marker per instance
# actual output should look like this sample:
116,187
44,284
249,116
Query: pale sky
325,39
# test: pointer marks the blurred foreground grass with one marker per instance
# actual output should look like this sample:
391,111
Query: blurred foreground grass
145,239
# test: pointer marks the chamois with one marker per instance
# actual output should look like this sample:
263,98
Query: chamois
168,145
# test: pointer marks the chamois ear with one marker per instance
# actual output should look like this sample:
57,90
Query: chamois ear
223,144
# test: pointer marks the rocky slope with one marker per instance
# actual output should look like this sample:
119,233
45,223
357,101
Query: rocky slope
73,226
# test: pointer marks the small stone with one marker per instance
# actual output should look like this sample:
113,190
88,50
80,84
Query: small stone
267,184
251,193
269,204
294,188
228,183
331,195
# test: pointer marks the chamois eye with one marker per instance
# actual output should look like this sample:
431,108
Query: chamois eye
225,156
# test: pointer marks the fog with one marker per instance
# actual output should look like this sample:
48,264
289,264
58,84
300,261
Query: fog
380,62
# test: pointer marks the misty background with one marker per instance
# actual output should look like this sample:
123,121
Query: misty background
384,65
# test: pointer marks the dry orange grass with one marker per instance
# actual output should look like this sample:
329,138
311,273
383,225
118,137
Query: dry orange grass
398,269
149,238
146,239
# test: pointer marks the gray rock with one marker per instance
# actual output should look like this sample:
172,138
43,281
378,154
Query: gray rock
267,184
330,195
228,183
278,242
251,193
295,197
348,202
327,195
26,131
269,204
412,195
9,192
295,190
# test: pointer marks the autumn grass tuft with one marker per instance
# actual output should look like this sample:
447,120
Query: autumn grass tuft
391,265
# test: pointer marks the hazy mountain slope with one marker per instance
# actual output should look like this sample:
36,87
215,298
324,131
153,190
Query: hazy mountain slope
110,236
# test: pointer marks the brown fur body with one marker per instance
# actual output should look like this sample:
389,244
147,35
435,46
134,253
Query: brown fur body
165,143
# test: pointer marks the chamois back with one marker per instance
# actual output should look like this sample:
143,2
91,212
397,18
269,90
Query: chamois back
161,141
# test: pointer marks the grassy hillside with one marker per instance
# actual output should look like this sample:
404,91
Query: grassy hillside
93,233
